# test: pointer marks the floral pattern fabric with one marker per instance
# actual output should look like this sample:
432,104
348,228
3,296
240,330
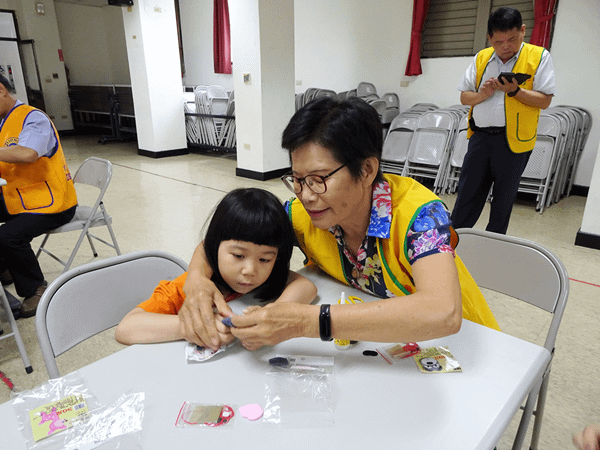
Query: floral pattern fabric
428,234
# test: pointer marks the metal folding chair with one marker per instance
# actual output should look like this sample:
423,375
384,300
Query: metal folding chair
96,172
91,298
529,272
14,330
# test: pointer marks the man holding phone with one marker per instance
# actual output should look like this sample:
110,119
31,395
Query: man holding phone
503,119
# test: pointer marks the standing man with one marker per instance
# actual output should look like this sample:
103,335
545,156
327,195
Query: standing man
39,194
502,121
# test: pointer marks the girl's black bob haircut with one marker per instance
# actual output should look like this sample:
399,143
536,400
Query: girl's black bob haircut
257,216
350,129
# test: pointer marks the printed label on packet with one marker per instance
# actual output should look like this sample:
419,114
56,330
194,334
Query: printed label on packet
436,360
57,416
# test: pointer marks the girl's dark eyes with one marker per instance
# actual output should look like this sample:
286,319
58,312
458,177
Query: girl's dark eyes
235,255
263,260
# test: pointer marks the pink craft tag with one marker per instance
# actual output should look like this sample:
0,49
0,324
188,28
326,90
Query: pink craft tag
251,411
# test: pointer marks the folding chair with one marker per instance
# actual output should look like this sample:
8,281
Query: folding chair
429,147
95,172
526,271
397,143
14,330
91,298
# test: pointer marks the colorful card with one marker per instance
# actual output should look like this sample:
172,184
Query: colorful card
57,416
436,360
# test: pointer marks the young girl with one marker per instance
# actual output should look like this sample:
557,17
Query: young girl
248,245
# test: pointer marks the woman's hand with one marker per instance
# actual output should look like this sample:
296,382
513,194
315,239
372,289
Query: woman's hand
275,323
196,316
588,438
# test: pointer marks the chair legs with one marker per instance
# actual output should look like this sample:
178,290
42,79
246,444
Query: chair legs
14,331
84,233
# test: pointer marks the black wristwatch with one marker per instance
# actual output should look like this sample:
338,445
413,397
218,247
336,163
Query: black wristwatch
513,93
325,324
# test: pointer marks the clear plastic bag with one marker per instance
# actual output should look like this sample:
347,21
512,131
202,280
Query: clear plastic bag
63,414
194,414
299,392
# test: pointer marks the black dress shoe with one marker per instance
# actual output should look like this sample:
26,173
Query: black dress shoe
30,304
6,278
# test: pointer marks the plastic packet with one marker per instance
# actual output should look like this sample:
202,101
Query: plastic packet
195,354
395,352
436,360
299,392
60,413
205,415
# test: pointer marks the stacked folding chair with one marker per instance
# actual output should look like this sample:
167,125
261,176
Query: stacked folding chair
202,127
550,172
457,156
431,146
542,167
397,143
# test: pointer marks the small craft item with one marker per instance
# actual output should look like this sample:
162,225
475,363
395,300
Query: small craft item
436,360
251,411
227,322
204,415
57,416
292,363
344,344
194,353
395,352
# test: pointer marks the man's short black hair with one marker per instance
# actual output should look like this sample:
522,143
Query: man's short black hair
4,82
350,129
504,19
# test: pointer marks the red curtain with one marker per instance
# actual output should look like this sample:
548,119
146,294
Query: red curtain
543,14
413,66
221,37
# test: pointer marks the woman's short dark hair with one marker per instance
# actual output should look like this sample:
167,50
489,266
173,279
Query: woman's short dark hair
257,216
504,19
351,129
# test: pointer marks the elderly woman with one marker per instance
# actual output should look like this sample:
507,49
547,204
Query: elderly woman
384,234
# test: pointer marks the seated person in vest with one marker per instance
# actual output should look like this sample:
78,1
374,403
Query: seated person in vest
503,120
39,194
386,235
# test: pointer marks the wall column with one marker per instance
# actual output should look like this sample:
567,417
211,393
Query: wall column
153,54
262,43
589,233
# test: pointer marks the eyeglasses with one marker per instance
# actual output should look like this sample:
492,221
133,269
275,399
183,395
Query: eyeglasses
315,183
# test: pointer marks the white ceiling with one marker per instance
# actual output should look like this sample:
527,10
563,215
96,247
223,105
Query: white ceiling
98,3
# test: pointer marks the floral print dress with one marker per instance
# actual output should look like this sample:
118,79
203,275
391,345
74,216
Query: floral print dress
428,234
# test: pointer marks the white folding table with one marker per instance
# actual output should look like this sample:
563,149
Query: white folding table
376,405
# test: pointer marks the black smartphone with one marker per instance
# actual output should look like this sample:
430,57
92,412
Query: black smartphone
521,77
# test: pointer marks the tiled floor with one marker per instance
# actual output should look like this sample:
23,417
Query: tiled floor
163,204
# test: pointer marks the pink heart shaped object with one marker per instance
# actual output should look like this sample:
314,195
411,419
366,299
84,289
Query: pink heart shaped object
251,411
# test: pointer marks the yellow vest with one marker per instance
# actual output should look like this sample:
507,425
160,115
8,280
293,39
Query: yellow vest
408,196
521,120
41,187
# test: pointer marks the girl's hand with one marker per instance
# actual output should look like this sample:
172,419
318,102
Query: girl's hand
224,331
588,438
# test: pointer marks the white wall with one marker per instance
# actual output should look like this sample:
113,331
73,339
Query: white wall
101,58
339,43
43,30
197,30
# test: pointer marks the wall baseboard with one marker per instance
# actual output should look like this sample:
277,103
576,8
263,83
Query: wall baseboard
261,176
582,191
163,154
587,240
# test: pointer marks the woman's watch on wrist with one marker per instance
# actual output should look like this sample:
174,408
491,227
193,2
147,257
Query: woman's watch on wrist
513,93
325,324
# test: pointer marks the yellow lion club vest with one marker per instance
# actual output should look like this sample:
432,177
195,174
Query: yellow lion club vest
42,187
521,120
408,196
